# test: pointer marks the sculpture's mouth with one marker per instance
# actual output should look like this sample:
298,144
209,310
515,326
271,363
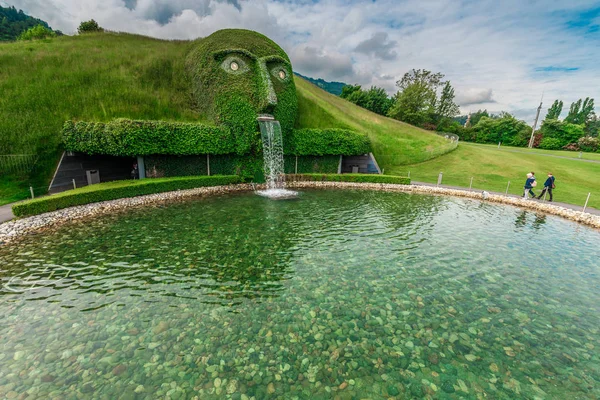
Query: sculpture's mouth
265,117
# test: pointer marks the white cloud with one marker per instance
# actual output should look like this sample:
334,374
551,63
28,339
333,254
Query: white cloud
474,96
482,48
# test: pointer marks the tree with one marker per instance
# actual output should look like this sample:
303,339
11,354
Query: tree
374,99
89,27
414,104
506,129
377,100
422,77
555,110
579,112
37,32
446,107
592,126
348,90
564,132
476,117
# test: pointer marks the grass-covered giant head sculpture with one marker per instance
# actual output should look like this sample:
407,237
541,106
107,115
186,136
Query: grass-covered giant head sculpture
238,74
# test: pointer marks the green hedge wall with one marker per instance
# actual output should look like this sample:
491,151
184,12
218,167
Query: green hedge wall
363,178
116,190
124,137
321,142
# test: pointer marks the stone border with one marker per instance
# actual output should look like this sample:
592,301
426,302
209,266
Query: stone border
12,230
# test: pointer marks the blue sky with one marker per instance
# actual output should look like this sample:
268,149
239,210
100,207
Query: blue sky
499,55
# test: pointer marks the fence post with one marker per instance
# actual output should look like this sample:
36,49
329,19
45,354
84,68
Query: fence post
507,186
208,164
439,182
33,196
471,184
586,202
409,174
383,171
296,167
499,144
74,185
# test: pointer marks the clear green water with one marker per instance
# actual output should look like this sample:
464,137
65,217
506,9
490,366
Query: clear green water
340,294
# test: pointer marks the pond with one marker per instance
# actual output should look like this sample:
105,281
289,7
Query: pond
338,294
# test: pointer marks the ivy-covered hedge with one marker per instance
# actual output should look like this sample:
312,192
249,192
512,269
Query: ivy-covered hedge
117,190
321,142
312,164
127,138
362,178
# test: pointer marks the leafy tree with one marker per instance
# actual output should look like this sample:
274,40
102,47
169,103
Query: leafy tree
555,110
414,104
506,129
446,107
37,32
375,99
348,90
563,131
89,27
423,77
592,126
579,112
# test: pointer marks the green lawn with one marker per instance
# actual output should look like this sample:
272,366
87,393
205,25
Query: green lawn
491,170
561,153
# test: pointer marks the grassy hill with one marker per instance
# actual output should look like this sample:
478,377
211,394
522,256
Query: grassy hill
105,76
492,168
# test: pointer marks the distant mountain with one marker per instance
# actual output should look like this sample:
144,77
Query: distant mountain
13,23
331,87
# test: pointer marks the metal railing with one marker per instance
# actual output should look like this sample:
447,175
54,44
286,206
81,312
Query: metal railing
17,164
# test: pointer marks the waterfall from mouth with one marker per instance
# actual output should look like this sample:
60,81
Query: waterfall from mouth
270,131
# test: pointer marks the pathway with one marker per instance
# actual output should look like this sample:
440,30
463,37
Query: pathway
6,213
556,203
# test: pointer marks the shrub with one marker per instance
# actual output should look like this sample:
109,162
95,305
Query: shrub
37,32
563,131
89,27
116,190
362,178
124,137
587,143
550,143
331,142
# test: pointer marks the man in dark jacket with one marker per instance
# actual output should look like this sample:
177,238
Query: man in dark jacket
548,186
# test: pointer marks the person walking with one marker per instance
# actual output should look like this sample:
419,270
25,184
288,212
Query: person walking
548,186
529,185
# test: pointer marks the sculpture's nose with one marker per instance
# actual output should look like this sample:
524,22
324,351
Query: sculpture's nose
268,98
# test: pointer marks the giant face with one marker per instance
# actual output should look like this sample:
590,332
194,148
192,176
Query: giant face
238,74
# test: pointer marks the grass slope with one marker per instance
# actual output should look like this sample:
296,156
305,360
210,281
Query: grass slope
394,142
100,77
492,168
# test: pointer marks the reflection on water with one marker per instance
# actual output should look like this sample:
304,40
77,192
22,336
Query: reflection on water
349,294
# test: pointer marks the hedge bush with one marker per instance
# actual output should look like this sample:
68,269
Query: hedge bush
117,190
128,138
330,142
361,178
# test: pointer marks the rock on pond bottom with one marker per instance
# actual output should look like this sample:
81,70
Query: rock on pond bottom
349,294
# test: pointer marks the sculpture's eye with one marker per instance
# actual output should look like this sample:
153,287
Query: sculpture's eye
234,65
280,72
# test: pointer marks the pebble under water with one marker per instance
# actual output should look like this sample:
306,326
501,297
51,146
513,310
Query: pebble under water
337,294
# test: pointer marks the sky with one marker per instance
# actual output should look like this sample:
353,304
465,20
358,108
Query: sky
498,55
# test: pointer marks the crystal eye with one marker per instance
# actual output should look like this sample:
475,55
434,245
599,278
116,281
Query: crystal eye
282,74
234,66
